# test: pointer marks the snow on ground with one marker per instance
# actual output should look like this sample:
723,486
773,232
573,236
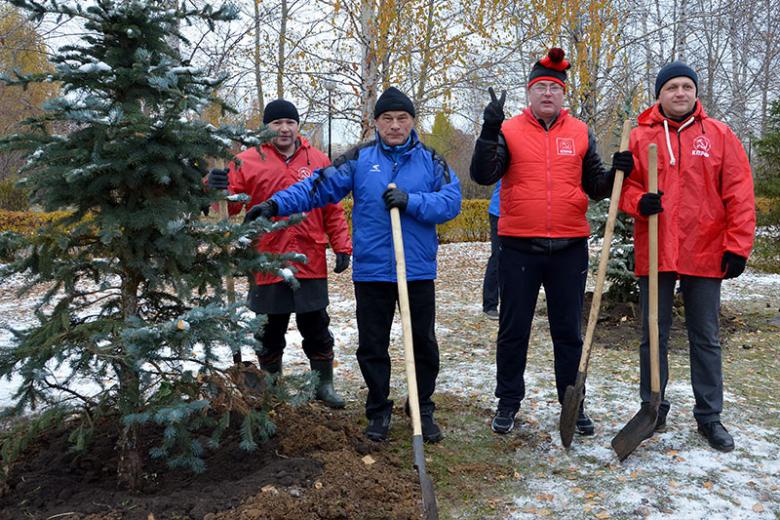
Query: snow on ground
673,475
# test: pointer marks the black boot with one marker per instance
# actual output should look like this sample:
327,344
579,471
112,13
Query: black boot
430,430
325,391
717,436
584,424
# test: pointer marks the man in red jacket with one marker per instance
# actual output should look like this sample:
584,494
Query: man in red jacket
706,224
549,165
287,159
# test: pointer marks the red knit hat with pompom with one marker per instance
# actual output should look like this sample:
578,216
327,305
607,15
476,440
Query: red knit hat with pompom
550,68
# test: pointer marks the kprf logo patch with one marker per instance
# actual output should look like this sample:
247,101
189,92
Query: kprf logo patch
303,173
701,146
565,146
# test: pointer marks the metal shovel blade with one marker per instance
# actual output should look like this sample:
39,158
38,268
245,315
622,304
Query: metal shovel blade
570,409
430,509
640,427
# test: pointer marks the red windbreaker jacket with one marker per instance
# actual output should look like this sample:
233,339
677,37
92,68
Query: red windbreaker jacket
260,177
707,186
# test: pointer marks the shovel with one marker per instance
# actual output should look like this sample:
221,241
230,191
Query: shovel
642,425
575,394
230,283
430,510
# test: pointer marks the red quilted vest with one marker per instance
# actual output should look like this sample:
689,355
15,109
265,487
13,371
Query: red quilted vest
541,191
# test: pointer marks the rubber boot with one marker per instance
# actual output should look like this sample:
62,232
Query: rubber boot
325,391
274,369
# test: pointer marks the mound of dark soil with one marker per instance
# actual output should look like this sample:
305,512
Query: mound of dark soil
317,467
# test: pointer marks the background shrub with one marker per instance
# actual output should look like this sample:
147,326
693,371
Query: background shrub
13,198
472,225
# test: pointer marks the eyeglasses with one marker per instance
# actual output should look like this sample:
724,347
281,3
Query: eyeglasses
554,88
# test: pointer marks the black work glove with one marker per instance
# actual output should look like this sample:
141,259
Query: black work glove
266,209
395,198
623,161
342,262
218,179
732,265
493,116
650,204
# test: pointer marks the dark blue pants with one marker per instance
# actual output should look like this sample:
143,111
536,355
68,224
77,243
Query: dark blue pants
376,303
701,297
490,284
521,274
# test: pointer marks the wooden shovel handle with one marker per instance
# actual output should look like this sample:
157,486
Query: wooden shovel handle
406,317
652,308
595,305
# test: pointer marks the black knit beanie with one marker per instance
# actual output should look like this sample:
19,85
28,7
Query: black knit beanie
280,109
393,99
672,70
550,68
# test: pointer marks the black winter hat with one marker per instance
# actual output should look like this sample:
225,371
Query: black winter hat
393,99
280,109
550,68
672,70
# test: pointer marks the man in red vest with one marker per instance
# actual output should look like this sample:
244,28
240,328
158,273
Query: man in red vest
549,165
260,172
706,222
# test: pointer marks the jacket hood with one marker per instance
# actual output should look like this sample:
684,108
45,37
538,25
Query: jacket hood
653,116
303,147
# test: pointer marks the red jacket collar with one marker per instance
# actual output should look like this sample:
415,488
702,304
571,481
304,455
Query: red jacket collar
302,147
653,116
530,115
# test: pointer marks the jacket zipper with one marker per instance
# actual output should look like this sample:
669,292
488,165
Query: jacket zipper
549,182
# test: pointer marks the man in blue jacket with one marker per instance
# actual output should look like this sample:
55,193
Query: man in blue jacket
427,194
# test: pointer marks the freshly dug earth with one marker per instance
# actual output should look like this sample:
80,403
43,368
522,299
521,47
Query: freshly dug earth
317,467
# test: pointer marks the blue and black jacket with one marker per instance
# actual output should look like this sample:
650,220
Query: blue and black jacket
366,170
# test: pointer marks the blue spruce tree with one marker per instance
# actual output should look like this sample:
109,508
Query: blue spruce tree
135,314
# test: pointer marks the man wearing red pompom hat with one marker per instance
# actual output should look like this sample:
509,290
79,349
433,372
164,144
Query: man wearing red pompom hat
549,165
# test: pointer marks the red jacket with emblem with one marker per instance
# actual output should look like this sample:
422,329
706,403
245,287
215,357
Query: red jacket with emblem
261,177
707,186
541,192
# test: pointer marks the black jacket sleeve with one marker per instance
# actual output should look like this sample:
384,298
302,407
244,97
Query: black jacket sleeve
490,160
596,179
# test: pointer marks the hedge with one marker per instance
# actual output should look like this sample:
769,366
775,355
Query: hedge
26,222
13,198
472,225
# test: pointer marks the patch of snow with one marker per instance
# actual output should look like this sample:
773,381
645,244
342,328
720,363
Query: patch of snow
91,68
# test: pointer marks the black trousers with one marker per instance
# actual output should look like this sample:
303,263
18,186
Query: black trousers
313,326
376,304
521,274
490,283
701,298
